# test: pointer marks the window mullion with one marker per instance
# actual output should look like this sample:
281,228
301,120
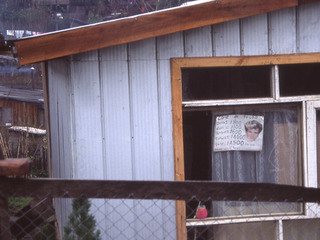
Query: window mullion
275,86
279,229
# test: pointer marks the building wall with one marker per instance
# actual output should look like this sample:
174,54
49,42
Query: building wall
23,113
110,110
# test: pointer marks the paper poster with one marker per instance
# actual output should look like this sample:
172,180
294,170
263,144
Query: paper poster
238,132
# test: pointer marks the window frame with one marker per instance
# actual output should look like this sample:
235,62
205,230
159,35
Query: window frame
177,64
3,121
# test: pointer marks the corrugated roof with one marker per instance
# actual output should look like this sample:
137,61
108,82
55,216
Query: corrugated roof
24,95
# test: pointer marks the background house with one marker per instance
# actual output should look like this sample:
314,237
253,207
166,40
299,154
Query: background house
118,96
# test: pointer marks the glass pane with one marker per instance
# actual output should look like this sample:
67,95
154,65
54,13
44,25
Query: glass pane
7,116
318,146
301,229
246,231
299,79
225,83
277,162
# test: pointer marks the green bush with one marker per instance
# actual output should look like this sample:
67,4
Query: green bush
82,225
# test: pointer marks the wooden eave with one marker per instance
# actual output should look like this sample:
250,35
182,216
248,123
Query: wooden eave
111,33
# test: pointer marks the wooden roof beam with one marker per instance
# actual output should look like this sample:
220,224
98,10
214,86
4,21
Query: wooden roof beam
87,38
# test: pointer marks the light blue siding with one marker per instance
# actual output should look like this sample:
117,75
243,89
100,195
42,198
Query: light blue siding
111,113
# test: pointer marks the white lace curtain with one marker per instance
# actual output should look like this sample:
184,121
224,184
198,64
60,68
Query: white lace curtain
278,162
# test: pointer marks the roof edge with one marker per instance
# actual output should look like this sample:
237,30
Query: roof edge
116,32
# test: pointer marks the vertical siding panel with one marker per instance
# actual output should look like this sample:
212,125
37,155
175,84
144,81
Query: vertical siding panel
282,31
145,122
60,119
87,122
168,46
254,35
115,90
308,28
60,124
117,131
87,117
143,73
198,42
226,39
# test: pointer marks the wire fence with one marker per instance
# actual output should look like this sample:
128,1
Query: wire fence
92,210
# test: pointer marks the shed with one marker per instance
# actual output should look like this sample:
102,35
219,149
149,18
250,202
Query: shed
140,99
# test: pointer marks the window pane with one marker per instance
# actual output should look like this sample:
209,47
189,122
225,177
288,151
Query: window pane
299,79
246,231
318,146
301,229
277,162
226,82
7,116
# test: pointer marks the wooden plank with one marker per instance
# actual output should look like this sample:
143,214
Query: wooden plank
45,84
177,121
178,144
306,1
165,190
54,45
247,60
4,220
14,166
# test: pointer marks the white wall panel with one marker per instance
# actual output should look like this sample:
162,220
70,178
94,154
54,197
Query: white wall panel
308,28
60,133
282,32
145,116
226,39
198,42
116,113
146,131
87,118
168,46
254,35
87,123
59,100
117,138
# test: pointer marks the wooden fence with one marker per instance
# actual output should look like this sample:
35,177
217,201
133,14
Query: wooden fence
164,190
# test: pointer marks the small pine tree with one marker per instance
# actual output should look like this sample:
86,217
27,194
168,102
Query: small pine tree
81,225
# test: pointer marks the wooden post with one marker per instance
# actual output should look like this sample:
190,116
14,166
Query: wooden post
5,233
9,167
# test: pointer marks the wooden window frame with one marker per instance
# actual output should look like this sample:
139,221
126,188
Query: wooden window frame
177,64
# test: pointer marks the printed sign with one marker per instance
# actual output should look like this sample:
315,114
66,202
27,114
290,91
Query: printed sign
238,132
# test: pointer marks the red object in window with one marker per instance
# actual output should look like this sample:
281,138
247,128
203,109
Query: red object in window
201,212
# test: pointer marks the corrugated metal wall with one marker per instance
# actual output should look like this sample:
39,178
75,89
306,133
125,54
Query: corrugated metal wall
110,110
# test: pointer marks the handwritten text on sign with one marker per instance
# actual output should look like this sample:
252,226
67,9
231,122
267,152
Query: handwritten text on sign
238,132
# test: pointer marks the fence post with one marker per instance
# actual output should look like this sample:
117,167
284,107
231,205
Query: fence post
5,233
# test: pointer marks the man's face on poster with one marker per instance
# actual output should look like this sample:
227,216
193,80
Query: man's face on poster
252,134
